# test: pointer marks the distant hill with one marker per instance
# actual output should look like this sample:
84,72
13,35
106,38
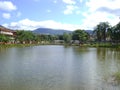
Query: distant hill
5,29
55,32
50,31
2,26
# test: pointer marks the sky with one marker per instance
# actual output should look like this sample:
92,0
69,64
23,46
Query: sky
58,14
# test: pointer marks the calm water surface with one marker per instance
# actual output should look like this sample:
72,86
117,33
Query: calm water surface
58,68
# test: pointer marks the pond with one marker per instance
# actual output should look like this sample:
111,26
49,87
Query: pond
54,67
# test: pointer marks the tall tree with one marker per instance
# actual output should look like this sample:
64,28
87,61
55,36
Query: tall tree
116,32
101,31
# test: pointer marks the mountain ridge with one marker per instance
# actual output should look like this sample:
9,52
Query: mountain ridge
55,31
51,31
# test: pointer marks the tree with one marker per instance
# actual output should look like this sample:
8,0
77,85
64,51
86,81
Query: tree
97,32
115,33
67,38
80,35
101,31
4,38
25,36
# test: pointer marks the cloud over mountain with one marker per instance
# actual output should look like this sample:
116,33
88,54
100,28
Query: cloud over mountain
31,25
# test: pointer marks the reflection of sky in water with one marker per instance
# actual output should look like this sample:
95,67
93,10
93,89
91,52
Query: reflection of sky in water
57,68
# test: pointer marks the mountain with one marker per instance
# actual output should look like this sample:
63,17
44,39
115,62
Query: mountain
2,26
55,32
89,31
50,31
6,29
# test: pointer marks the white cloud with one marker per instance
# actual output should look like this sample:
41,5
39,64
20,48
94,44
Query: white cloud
96,4
7,6
27,24
100,11
69,9
92,19
6,15
69,1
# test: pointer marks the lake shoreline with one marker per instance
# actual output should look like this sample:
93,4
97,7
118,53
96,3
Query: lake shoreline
104,45
18,45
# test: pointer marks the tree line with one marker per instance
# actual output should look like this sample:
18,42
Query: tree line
103,32
28,37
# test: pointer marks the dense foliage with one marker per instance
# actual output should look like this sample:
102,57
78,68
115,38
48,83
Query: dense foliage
80,35
4,38
67,38
25,36
115,33
101,31
104,32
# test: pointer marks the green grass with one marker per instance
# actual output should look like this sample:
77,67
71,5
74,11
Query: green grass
104,45
16,45
107,45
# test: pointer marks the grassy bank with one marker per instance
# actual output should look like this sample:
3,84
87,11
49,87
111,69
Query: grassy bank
25,45
106,45
17,45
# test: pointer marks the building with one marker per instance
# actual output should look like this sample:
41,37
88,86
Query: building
8,32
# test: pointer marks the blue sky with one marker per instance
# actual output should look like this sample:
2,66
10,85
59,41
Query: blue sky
58,14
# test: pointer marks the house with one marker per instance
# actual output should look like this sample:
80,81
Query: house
5,31
8,32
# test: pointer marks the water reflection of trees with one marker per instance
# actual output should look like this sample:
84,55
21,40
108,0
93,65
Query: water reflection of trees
108,54
108,58
2,49
81,50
